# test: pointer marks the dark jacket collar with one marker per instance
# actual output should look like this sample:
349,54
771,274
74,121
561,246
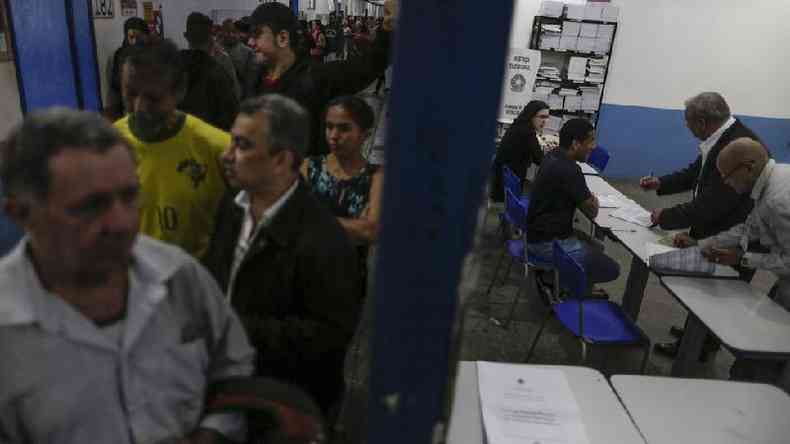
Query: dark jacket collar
286,226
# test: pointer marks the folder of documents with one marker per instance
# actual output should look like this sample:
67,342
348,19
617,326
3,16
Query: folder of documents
586,44
573,103
589,30
556,102
686,262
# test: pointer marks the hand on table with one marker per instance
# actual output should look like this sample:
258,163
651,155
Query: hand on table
683,240
655,216
649,183
723,256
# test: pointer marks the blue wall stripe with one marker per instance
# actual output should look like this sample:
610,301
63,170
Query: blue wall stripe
642,140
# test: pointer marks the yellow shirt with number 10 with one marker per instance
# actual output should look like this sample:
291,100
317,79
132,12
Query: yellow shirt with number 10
181,183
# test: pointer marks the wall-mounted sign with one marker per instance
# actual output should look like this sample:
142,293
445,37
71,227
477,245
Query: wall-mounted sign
520,71
103,8
128,8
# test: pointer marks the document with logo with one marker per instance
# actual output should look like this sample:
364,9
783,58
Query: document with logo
525,404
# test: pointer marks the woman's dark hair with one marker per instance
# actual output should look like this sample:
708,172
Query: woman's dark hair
529,111
361,113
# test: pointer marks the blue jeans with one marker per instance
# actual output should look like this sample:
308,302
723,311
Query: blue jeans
589,253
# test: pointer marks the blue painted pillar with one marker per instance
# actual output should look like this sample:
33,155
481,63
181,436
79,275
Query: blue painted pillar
447,78
55,52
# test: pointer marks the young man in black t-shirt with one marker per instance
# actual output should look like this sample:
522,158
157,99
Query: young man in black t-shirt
559,189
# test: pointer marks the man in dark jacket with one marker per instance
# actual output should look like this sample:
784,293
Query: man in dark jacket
284,262
209,95
715,206
311,84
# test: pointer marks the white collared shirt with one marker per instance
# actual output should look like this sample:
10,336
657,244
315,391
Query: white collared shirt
709,143
250,229
68,381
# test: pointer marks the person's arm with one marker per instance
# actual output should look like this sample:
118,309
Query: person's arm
364,229
778,221
345,77
680,181
725,239
590,207
230,354
716,202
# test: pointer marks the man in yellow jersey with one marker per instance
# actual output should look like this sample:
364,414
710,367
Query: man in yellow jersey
177,154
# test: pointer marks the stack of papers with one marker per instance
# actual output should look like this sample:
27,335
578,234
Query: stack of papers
586,44
550,36
575,12
577,68
540,96
686,261
609,201
591,97
573,103
610,13
568,43
525,404
551,8
604,40
549,72
545,87
556,102
589,30
569,92
593,12
633,214
571,29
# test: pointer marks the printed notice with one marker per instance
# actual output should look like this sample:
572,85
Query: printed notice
523,404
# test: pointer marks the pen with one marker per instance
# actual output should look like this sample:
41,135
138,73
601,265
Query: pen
624,230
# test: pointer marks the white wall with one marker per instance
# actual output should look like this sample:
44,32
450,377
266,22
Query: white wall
667,51
10,109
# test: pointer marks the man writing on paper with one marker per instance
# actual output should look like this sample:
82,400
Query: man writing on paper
715,207
559,189
746,166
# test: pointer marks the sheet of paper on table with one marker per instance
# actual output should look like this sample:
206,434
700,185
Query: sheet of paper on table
633,214
609,201
524,404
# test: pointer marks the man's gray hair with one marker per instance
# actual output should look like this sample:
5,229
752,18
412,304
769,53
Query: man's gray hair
289,123
25,154
708,106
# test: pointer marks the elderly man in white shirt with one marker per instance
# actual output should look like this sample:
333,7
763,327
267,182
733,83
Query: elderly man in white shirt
745,166
105,336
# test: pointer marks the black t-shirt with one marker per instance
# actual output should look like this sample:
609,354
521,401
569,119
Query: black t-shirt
558,190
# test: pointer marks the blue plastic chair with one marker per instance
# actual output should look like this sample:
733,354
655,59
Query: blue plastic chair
516,212
599,158
593,321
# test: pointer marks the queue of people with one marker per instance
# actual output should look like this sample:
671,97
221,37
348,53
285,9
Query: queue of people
164,255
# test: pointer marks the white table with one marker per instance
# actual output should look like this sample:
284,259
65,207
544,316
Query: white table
695,411
634,238
747,322
587,169
605,419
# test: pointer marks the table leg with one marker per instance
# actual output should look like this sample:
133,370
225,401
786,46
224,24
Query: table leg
690,346
635,288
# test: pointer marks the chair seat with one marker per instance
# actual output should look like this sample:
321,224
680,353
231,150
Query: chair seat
515,249
604,321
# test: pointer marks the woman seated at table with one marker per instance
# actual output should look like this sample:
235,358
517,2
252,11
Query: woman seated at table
520,147
343,179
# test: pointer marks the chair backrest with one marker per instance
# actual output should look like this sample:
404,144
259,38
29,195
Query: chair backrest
511,181
516,210
599,158
572,276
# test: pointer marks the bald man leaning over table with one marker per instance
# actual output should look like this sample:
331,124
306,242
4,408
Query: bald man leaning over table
746,166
